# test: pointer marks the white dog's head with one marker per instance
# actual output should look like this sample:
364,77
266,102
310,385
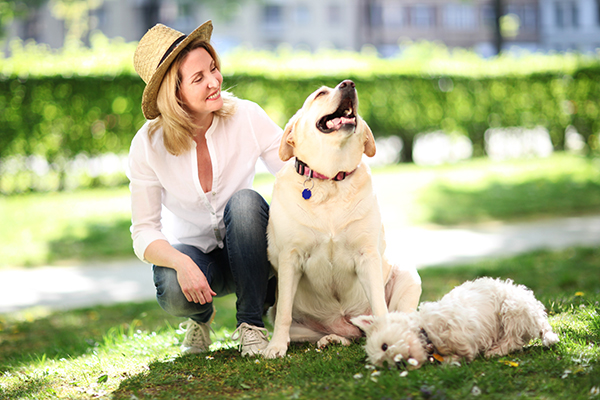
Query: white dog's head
394,339
327,133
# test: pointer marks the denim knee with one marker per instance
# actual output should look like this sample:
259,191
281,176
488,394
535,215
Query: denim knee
248,208
172,300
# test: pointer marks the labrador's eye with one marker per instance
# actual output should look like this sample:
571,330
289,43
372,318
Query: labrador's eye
384,347
321,93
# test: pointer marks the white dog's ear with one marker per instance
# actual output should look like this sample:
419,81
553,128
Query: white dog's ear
369,139
286,148
364,322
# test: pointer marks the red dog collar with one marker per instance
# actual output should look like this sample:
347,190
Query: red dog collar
305,170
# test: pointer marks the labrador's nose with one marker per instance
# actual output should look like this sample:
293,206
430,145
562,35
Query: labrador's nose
346,84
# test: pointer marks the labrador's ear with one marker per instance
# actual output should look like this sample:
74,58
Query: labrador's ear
286,148
370,148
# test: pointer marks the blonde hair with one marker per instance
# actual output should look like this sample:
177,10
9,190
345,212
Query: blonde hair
177,124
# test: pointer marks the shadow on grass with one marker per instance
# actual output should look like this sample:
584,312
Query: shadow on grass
226,374
339,372
93,241
27,391
35,334
69,334
447,205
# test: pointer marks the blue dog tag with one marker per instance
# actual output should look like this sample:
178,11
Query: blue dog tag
306,193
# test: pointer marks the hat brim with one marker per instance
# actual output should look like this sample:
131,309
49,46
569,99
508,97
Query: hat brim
149,106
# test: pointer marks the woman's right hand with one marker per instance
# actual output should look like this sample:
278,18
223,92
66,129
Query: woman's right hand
193,283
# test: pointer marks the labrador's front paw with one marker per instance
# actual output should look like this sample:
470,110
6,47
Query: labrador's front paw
325,340
274,350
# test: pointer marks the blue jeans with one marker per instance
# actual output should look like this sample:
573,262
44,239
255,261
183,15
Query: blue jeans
240,267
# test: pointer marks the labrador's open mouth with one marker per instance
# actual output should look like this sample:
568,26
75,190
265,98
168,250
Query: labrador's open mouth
343,116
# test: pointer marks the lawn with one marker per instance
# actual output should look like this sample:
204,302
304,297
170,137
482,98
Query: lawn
130,351
60,228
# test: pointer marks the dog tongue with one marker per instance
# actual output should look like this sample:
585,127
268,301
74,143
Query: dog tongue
337,123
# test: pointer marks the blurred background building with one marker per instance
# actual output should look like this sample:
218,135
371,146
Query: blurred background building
534,25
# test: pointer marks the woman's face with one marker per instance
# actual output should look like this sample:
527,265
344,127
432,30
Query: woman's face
201,81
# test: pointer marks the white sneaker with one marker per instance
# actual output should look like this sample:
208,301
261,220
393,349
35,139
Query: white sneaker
197,337
253,340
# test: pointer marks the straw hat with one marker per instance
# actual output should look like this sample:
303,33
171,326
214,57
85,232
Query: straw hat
154,54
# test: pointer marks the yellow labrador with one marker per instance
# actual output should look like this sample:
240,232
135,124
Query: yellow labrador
326,239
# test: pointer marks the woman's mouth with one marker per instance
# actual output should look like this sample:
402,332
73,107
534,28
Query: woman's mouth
214,96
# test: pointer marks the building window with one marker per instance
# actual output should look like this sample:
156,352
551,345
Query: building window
488,15
574,15
376,14
273,17
302,14
334,14
459,16
421,16
393,15
566,14
527,15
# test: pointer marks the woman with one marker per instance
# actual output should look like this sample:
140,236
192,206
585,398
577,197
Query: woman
191,166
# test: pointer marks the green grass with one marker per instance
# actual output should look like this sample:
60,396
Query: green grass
94,224
562,184
130,351
44,228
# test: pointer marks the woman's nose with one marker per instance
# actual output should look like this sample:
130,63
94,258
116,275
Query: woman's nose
213,82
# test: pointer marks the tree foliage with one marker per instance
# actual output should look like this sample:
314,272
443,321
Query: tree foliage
14,9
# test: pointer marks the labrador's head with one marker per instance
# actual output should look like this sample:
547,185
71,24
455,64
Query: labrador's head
327,133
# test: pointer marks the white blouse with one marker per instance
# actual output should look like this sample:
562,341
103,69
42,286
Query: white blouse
167,200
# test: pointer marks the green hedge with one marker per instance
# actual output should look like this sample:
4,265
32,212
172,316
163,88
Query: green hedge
58,117
61,117
407,105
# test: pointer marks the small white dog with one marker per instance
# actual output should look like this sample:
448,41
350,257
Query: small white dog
488,316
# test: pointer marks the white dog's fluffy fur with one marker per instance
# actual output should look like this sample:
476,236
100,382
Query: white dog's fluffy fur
488,316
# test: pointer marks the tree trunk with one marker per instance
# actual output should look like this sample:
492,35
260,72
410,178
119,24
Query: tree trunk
498,13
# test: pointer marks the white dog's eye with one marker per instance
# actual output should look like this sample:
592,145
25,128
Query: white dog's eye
384,347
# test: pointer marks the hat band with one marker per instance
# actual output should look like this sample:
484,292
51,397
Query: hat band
170,49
